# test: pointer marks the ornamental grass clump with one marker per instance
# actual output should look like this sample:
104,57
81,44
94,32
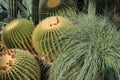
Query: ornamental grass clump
96,56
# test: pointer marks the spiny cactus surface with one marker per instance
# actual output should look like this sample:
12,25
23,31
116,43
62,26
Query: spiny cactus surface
17,34
17,64
2,47
51,34
57,7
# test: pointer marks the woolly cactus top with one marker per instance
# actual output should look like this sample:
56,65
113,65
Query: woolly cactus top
12,25
17,34
53,3
17,22
53,22
7,59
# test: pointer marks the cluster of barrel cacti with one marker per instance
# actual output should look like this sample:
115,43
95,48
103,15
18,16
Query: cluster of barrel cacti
47,39
58,44
27,49
21,44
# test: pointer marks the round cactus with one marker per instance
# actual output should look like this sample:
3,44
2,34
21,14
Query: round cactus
57,7
17,34
95,56
17,64
50,34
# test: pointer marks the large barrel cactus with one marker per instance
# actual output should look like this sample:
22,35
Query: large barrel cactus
17,64
96,55
57,7
50,34
17,34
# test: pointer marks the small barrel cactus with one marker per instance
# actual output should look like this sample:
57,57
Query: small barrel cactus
96,55
57,7
16,64
50,34
17,34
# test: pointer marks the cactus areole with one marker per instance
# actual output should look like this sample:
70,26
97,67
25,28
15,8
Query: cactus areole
2,47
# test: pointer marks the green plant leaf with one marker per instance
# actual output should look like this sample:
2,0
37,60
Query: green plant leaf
25,8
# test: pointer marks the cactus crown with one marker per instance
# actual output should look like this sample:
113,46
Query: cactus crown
7,59
53,3
53,22
2,47
12,25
